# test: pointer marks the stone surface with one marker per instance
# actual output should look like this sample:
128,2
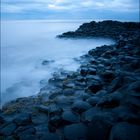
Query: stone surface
49,136
22,119
80,106
100,126
8,129
95,87
39,118
125,131
68,92
93,100
70,117
75,132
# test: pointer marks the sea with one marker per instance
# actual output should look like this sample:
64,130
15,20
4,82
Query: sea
25,44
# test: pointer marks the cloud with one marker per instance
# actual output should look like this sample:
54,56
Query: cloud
72,7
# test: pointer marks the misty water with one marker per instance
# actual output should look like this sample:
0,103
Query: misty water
25,44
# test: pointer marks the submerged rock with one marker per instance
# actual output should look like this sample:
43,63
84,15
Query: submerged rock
46,62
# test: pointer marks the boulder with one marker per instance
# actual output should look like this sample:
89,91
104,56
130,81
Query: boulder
80,106
27,133
68,92
134,89
108,75
75,132
100,126
56,92
92,71
51,109
2,120
22,119
70,117
125,113
8,129
84,71
93,100
89,114
39,118
55,121
125,131
49,136
28,137
95,87
41,128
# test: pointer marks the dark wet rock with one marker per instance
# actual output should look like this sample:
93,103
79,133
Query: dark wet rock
51,109
84,96
129,79
2,120
110,53
125,131
46,62
75,132
93,78
56,81
8,129
100,126
116,84
68,92
2,138
42,128
54,109
84,71
134,89
68,84
101,93
80,106
124,113
95,87
110,101
28,137
70,117
42,108
80,79
8,138
39,118
49,136
89,114
133,101
108,75
22,128
30,132
64,101
55,93
91,71
22,119
93,100
55,121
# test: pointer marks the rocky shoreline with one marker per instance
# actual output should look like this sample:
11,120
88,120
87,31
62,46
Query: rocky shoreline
101,101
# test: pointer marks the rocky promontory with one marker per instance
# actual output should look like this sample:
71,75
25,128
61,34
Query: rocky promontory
100,101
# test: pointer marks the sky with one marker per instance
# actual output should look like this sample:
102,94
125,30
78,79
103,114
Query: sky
70,9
